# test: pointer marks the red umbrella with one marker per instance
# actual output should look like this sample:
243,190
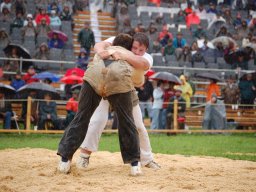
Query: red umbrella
72,79
75,71
60,34
150,72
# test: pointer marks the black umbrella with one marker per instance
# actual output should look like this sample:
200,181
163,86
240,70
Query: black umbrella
21,52
207,75
233,56
77,86
40,88
7,89
166,76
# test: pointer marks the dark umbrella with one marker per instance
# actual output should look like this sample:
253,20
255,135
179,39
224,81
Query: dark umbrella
21,52
233,56
7,89
166,76
40,88
207,75
77,86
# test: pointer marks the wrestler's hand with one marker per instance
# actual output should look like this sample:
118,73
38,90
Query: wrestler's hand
104,55
117,56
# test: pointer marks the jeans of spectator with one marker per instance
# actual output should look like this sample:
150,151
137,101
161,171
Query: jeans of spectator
146,105
128,134
75,133
7,120
162,121
155,118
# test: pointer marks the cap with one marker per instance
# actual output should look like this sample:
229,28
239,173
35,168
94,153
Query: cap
53,12
29,16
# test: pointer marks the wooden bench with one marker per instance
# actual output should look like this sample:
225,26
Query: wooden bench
243,117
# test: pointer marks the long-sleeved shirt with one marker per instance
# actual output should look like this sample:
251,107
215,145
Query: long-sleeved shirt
158,98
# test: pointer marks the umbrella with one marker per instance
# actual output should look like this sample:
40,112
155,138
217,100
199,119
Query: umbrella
47,75
77,71
207,75
21,52
77,86
60,34
251,45
150,72
166,76
7,89
200,44
224,40
233,56
40,88
71,79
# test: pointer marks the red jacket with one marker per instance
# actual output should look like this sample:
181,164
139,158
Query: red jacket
39,18
28,78
72,105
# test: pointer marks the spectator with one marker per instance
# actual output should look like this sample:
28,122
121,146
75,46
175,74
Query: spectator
12,65
54,19
83,59
228,17
5,111
158,94
214,114
189,9
200,11
4,38
66,14
184,54
42,29
145,94
164,33
6,4
47,112
169,49
247,90
212,88
18,22
187,91
216,22
19,6
212,8
192,19
86,38
28,77
5,15
165,40
17,82
43,52
29,31
237,21
30,18
156,48
169,92
230,91
181,108
199,33
240,63
54,7
192,85
242,31
72,106
179,41
42,14
55,42
223,32
180,18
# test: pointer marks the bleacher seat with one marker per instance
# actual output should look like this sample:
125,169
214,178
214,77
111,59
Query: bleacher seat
40,40
212,65
209,59
158,60
16,34
30,46
199,65
56,54
5,25
69,55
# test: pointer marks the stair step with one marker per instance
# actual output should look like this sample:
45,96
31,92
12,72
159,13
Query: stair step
101,27
106,33
82,17
106,23
99,13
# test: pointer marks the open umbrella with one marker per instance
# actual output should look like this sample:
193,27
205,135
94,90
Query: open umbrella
40,88
21,52
166,76
206,75
233,56
226,41
77,86
47,75
150,72
60,34
71,79
7,89
75,71
200,44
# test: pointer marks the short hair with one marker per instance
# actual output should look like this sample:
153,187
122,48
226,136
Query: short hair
141,38
123,40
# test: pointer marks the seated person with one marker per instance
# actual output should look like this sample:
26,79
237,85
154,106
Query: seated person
5,111
47,111
214,114
56,42
72,106
181,108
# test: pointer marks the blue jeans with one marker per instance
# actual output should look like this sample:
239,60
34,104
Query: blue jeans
162,117
146,105
155,118
7,120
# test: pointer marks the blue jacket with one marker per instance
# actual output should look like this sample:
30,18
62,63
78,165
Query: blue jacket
59,43
175,42
16,84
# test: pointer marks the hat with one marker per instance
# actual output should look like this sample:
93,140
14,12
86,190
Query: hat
30,16
53,12
76,91
178,89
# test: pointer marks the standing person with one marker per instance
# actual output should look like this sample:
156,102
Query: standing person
86,38
158,95
100,117
5,111
212,88
231,91
101,81
186,90
145,94
247,91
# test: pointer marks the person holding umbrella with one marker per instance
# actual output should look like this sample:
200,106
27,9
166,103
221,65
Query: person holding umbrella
56,42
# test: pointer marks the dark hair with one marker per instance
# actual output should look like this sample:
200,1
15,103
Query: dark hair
123,40
141,38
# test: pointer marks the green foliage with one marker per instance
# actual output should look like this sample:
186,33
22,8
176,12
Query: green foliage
236,146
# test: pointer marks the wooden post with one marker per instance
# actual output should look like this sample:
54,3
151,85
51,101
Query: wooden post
175,114
28,122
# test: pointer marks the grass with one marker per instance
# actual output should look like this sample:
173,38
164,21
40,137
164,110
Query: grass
236,146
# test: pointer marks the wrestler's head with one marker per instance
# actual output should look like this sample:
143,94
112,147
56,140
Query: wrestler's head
123,40
140,44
